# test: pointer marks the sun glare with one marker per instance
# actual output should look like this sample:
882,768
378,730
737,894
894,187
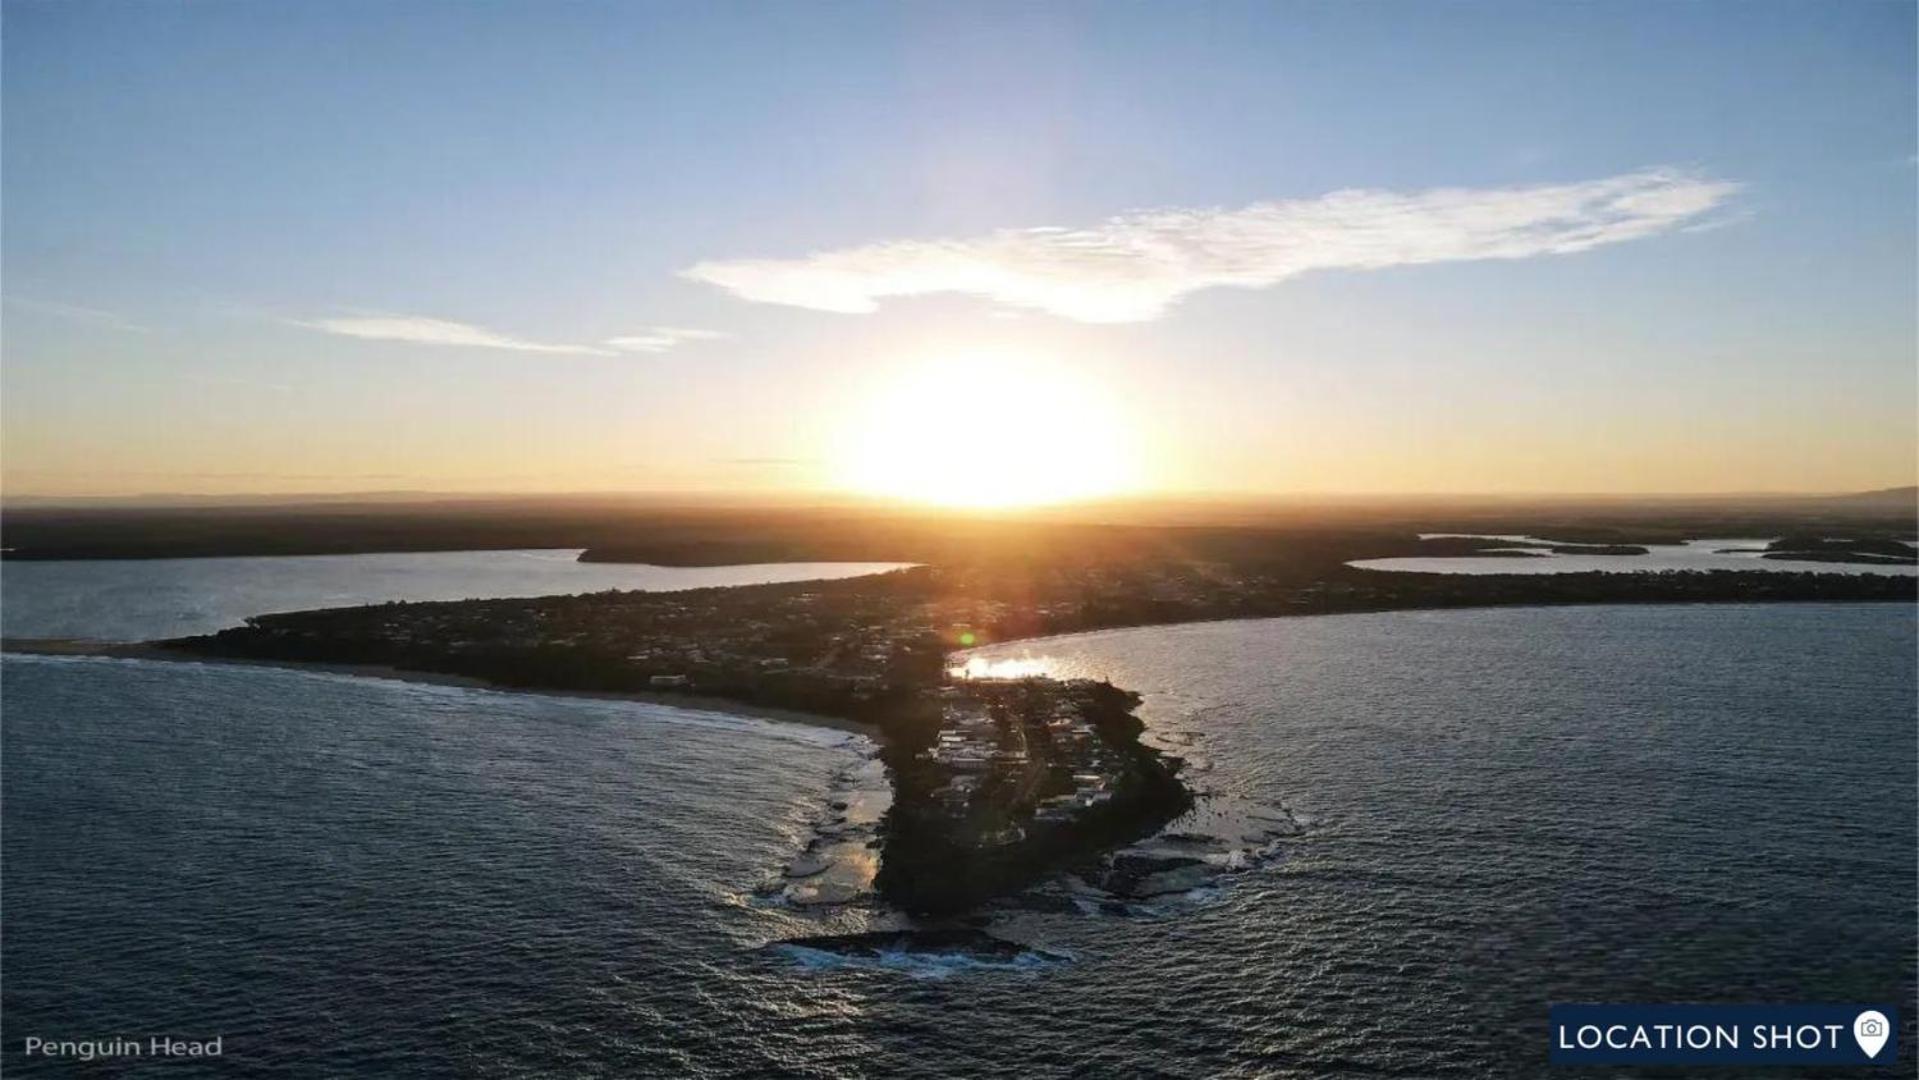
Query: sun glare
1018,667
987,432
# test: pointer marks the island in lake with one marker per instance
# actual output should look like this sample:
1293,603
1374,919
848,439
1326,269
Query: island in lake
1838,549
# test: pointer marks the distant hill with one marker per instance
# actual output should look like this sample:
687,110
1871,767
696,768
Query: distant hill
1890,500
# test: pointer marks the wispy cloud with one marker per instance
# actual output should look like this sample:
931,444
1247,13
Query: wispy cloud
422,330
76,313
658,339
1135,266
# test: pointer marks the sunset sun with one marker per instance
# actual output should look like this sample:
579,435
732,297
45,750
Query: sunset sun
987,431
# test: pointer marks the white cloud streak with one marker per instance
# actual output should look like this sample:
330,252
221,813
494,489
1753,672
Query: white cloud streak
1136,266
658,339
424,331
421,330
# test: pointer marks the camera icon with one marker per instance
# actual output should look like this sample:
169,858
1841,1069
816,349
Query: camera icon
1872,1030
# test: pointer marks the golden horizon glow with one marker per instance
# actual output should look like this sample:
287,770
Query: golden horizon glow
987,431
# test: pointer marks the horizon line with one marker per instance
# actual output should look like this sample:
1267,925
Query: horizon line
856,498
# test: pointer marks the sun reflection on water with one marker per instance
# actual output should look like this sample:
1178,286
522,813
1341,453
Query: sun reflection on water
1018,667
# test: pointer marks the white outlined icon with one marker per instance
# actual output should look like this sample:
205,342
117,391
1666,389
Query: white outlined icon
1870,1029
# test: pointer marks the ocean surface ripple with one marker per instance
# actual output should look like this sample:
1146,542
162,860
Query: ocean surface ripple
1446,821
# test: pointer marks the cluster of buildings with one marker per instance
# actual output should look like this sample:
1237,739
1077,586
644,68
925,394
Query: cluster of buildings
1013,754
1075,740
970,747
848,637
853,639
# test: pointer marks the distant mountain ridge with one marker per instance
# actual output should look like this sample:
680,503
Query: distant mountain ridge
1894,498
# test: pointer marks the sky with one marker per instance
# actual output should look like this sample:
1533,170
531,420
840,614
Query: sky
968,252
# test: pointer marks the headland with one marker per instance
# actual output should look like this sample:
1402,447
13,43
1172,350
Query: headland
997,782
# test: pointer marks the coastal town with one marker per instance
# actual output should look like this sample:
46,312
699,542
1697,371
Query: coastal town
852,647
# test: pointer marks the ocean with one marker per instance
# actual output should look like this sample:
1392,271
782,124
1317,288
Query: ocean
1415,831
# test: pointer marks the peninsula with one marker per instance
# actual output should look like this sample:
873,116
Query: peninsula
998,783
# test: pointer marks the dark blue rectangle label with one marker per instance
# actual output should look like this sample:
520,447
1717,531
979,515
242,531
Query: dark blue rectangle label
1724,1034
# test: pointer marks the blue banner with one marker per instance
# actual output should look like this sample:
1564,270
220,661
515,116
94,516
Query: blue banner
1724,1034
